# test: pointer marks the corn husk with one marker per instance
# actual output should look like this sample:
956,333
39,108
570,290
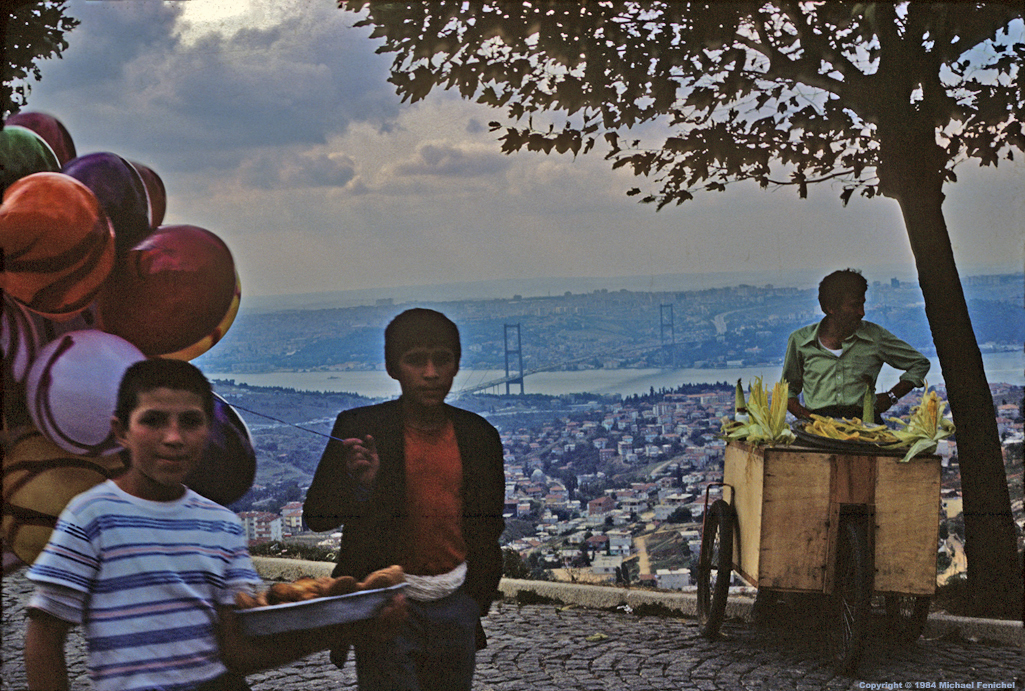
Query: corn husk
925,428
868,404
767,418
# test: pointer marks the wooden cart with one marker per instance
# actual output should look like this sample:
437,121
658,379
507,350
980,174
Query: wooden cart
846,525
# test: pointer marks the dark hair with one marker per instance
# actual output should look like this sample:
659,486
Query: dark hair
415,328
159,373
838,286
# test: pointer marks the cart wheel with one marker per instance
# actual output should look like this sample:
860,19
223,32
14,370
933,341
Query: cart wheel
715,564
907,615
852,594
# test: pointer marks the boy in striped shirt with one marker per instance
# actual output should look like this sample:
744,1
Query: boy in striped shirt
148,567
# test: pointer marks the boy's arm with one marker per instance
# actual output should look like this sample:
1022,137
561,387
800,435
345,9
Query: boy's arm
343,480
45,663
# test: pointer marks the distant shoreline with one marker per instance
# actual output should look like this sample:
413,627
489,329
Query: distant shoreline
558,286
1003,367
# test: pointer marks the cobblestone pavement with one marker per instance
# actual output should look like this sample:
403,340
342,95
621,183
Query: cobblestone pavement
544,647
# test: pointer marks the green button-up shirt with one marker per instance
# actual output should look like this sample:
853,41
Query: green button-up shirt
826,379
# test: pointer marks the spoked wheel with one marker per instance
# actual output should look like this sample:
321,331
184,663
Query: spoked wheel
851,598
715,564
906,615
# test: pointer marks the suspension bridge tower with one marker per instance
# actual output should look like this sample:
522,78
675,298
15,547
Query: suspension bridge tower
668,336
513,358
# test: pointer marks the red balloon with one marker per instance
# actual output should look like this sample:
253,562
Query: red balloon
170,290
50,129
57,242
211,339
156,195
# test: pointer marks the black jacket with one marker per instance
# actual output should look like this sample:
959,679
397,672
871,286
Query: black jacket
375,533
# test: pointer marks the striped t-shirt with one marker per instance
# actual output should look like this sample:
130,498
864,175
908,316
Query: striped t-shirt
144,578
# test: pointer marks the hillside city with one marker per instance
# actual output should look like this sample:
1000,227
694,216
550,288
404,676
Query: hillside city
615,490
598,488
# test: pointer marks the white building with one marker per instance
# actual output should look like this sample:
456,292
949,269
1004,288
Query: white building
292,517
620,542
262,526
673,579
606,565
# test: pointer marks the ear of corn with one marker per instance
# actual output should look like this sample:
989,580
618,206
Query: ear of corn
767,422
739,405
924,428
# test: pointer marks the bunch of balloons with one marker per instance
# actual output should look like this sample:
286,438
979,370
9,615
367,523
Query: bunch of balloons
93,282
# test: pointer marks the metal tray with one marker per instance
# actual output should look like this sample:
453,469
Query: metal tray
854,446
312,614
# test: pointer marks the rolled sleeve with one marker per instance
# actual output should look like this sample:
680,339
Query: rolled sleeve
792,368
66,604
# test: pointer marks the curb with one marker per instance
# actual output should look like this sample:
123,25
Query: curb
281,569
738,606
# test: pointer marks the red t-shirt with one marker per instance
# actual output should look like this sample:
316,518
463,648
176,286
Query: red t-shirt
434,480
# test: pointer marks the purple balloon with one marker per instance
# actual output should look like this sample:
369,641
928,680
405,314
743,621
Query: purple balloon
228,467
121,191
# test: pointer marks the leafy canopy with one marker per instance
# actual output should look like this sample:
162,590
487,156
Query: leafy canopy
32,31
696,95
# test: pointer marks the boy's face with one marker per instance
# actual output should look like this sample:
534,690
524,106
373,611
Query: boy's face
425,374
166,434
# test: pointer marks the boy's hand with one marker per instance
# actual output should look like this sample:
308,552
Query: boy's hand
361,459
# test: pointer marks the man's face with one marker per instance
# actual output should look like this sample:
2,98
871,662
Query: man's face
166,434
426,374
849,313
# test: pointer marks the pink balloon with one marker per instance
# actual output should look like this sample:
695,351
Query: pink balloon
19,340
170,290
71,390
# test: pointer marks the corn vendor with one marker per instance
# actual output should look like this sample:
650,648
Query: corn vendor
831,362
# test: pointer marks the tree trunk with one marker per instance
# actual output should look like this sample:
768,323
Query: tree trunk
994,575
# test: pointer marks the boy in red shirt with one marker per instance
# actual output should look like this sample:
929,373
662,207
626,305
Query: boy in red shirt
419,483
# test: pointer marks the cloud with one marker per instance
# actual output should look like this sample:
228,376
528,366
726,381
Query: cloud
272,124
291,169
129,77
448,159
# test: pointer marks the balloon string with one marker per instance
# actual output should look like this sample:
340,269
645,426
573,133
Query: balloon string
283,422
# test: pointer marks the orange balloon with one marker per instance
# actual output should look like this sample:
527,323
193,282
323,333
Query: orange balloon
57,242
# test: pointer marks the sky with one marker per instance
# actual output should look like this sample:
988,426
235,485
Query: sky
271,124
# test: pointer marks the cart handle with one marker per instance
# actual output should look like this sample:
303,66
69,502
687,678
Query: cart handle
704,511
